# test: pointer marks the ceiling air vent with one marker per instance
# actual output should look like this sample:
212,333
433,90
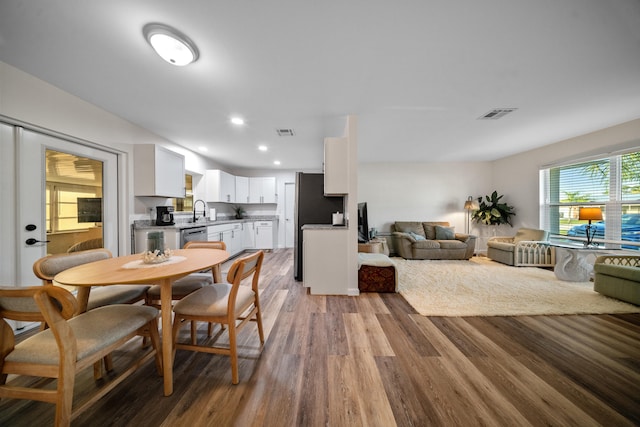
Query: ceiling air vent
285,132
496,113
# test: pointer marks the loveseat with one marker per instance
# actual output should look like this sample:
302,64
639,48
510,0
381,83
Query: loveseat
431,240
618,276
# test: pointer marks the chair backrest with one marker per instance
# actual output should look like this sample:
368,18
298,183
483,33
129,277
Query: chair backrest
531,234
47,267
86,245
19,303
245,267
197,244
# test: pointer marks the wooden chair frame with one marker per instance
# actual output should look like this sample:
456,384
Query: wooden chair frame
240,270
65,372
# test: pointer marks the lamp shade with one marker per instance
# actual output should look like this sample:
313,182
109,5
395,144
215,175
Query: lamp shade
591,214
470,204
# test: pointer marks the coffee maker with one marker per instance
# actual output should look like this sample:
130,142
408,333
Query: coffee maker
164,215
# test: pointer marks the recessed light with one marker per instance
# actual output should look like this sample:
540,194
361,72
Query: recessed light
172,46
276,162
262,148
203,149
237,120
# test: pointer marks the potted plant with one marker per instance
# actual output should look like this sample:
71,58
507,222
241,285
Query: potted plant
239,210
492,212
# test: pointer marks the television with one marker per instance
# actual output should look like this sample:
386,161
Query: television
89,209
363,223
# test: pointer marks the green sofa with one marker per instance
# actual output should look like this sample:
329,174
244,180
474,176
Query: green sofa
618,276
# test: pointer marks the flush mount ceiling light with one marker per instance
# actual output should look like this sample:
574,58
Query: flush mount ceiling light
172,46
237,120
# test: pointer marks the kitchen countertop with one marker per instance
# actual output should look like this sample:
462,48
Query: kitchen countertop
181,225
324,227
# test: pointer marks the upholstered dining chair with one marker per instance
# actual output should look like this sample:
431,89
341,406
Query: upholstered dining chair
47,267
69,345
191,283
224,303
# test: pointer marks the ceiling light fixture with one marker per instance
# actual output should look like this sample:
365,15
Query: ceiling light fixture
276,162
237,120
262,148
172,46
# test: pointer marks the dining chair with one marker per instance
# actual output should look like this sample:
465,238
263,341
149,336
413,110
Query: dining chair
224,303
69,345
47,267
191,283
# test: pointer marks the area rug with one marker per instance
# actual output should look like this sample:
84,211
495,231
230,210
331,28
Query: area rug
481,287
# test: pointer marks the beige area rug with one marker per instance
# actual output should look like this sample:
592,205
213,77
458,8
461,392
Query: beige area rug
481,287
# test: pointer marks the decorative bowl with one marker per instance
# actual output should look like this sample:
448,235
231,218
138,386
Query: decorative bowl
156,257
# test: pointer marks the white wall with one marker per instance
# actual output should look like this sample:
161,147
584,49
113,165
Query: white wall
437,191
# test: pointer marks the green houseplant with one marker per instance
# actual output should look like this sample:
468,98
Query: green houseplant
239,210
492,212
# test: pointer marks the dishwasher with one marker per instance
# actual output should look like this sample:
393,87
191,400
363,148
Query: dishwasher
193,234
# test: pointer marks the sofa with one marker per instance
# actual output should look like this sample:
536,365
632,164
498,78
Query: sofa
529,248
431,240
618,276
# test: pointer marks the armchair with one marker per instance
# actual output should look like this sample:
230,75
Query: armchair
529,247
618,276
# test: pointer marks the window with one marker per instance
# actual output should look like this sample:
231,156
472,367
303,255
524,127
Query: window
186,204
611,183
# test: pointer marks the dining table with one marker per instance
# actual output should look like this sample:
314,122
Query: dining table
131,269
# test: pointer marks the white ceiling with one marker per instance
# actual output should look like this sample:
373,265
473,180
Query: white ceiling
417,74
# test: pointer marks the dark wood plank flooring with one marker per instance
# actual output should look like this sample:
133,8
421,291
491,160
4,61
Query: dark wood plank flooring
372,361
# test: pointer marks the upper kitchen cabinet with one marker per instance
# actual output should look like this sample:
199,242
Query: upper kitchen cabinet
242,189
336,166
262,190
220,186
158,171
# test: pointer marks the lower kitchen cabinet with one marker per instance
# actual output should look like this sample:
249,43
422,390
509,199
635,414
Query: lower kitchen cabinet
248,235
264,234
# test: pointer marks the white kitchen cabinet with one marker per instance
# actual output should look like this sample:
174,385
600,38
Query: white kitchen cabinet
242,189
262,189
336,166
325,271
264,234
230,234
248,235
158,171
220,186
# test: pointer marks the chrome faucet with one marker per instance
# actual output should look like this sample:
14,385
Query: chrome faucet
204,209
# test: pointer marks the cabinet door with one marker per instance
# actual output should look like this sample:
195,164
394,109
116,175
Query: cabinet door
242,189
262,190
248,235
336,166
220,186
264,235
158,171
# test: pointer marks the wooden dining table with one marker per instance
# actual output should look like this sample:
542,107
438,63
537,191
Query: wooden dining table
130,269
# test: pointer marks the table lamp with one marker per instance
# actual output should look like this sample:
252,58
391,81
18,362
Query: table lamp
590,214
470,205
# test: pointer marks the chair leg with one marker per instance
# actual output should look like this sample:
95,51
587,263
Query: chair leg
194,338
66,382
233,353
152,329
259,321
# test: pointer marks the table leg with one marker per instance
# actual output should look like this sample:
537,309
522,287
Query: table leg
167,342
83,298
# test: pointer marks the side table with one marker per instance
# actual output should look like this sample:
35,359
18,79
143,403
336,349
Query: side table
374,246
575,264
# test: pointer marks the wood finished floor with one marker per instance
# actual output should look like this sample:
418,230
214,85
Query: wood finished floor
372,361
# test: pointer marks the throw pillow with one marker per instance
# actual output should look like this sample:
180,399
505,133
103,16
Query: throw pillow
416,236
444,233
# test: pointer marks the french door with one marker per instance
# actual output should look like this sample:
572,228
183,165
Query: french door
34,198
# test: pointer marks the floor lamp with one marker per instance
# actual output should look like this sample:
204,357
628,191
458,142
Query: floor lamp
590,214
470,205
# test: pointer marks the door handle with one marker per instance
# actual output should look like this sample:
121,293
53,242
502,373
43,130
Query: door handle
33,241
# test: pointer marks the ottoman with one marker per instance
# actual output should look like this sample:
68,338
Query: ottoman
376,273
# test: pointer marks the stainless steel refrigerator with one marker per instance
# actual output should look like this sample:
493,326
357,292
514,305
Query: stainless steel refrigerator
311,207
